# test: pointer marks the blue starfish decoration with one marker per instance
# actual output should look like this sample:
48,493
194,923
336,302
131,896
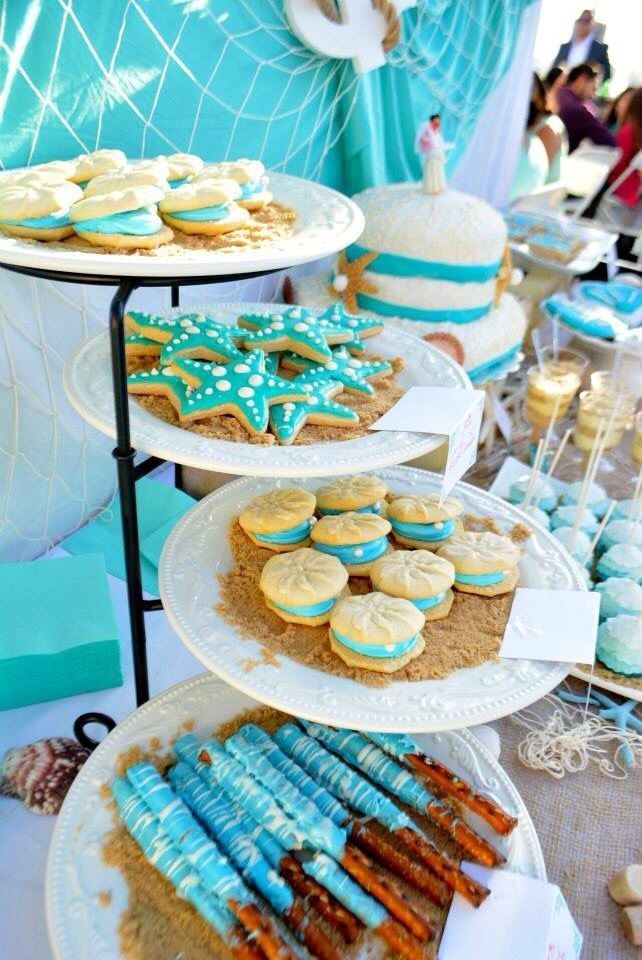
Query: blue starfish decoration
619,714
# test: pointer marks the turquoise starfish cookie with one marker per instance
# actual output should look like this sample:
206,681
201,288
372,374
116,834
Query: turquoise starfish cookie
161,327
161,382
244,389
294,329
362,327
288,419
203,340
137,345
352,373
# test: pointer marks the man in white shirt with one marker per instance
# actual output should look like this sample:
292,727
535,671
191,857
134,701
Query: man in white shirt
584,48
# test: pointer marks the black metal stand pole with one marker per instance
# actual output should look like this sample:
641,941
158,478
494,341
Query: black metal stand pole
178,467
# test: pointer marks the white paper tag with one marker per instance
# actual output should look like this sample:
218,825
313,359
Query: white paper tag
455,413
557,625
522,918
502,417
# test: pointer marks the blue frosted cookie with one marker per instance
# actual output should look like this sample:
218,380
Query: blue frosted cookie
565,517
619,595
580,545
622,560
543,493
620,531
619,644
597,500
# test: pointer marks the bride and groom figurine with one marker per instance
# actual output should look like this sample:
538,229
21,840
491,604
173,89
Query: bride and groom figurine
430,145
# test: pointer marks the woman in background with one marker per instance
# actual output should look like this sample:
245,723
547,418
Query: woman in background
553,80
617,111
629,140
533,163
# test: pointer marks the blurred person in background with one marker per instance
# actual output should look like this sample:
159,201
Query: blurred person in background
533,163
629,139
617,111
575,107
584,48
553,81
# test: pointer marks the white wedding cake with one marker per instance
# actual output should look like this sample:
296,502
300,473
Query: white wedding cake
435,264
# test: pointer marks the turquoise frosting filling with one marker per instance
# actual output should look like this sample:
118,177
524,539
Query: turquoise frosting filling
480,579
402,266
291,535
58,219
136,223
424,531
216,212
355,552
375,649
427,602
250,188
369,508
309,610
177,183
451,315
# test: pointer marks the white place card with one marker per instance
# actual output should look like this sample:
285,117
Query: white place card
522,918
450,411
558,625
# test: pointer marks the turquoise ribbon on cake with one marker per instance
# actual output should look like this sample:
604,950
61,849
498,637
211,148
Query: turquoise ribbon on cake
448,315
401,266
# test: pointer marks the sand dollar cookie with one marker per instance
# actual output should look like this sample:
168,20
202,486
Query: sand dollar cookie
419,576
376,632
356,539
421,521
123,220
37,209
250,176
280,520
90,165
303,586
205,207
361,493
485,563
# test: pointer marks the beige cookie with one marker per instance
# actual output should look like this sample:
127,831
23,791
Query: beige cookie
303,586
23,203
182,165
421,521
236,219
119,201
249,174
485,563
124,180
357,539
122,241
419,576
90,165
376,632
157,166
281,519
137,201
177,205
55,171
361,493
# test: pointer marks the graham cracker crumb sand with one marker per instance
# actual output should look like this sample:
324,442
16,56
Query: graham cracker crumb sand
480,524
386,393
470,635
603,672
104,898
520,533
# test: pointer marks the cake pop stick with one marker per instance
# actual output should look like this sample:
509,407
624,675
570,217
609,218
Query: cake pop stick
598,533
388,774
534,474
402,747
217,816
360,794
215,870
225,771
556,457
636,502
326,836
597,449
360,833
144,827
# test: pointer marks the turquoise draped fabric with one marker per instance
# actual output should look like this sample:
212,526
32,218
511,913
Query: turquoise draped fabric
227,78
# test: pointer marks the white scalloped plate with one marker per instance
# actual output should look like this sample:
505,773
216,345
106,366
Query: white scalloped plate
629,693
326,222
197,550
81,929
88,385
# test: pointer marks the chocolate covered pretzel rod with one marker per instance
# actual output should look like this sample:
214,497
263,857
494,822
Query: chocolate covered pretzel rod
360,833
387,773
216,873
327,906
145,828
227,773
339,778
402,747
326,835
216,814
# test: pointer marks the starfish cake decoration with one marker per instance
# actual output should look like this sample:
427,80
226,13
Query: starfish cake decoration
288,419
349,280
352,373
243,389
295,330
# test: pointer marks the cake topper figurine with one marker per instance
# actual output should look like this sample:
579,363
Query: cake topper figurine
430,145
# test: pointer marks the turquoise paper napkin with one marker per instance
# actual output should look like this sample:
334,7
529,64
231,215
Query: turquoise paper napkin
159,507
59,635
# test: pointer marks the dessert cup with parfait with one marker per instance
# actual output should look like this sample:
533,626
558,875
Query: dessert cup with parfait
604,413
551,386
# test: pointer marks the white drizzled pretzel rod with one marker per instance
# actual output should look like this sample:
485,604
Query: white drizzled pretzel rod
383,770
341,780
215,871
145,828
402,747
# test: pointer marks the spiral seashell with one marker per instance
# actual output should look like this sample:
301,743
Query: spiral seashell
41,773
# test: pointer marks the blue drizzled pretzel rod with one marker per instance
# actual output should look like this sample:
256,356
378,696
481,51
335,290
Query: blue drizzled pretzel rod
214,870
225,772
369,758
403,748
367,839
340,919
344,782
346,923
165,856
218,817
325,835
